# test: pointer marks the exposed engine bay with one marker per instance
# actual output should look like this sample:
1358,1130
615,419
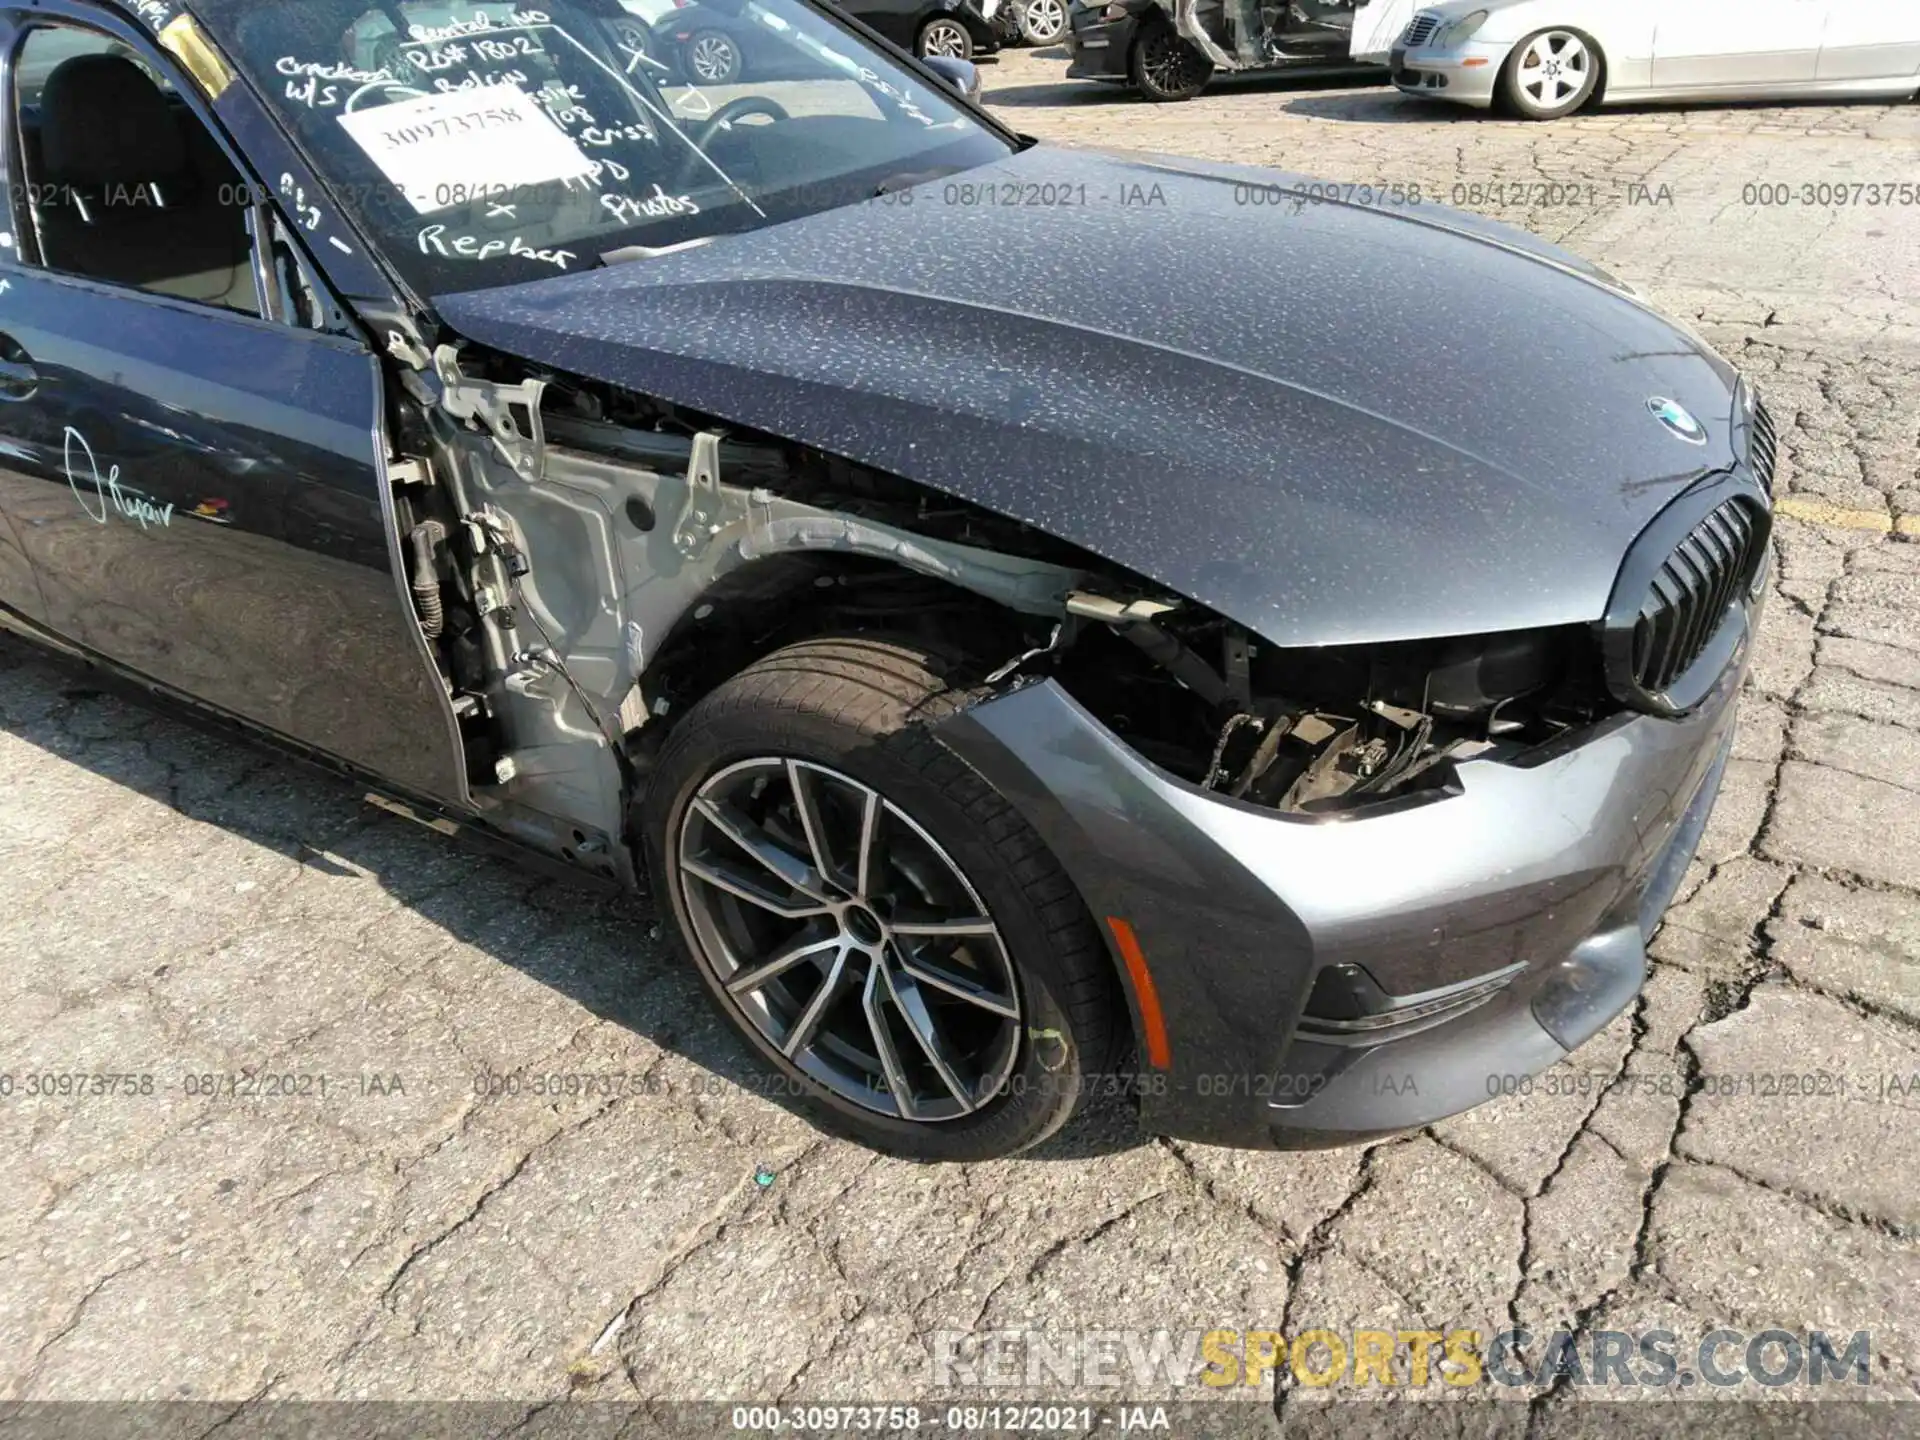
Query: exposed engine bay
587,563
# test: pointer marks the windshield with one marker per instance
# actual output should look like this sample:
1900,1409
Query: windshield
485,144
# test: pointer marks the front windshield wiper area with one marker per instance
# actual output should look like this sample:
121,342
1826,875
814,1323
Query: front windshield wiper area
652,252
907,179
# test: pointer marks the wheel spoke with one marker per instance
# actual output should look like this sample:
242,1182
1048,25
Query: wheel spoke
807,806
747,981
962,989
803,1029
913,1009
904,923
869,836
897,1083
787,867
745,889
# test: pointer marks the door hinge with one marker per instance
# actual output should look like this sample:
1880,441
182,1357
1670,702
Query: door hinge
700,520
493,407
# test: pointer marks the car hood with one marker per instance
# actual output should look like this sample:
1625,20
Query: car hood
1329,421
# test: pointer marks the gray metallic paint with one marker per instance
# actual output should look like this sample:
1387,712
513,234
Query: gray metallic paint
1331,422
1561,859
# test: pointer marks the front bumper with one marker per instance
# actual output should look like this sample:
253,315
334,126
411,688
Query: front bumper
1505,924
1466,73
1098,49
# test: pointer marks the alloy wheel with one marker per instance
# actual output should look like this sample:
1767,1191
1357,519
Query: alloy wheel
1170,64
1044,21
713,58
635,39
1553,68
946,37
848,938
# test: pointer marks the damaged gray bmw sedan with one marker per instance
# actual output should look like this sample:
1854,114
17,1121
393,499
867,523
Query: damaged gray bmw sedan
1021,651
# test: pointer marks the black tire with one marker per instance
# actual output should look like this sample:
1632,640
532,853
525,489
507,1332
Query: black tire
1165,67
1515,90
860,707
1043,22
944,35
635,36
711,57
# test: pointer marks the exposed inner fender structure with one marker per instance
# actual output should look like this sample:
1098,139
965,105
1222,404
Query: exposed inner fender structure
578,565
590,562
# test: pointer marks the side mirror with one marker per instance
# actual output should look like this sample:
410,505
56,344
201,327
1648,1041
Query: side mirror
963,75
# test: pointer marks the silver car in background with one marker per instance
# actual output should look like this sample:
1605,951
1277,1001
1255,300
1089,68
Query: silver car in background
1541,59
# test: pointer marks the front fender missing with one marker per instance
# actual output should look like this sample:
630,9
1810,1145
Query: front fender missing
611,556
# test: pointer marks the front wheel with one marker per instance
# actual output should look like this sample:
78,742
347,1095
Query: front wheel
712,58
1165,67
892,939
941,36
1043,22
1549,75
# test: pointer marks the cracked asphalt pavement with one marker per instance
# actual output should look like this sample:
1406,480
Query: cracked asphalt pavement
174,905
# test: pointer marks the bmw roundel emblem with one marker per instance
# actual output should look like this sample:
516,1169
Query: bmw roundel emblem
1677,418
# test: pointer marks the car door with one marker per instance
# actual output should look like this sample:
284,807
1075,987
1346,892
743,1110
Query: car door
898,20
1318,27
1730,45
200,491
1870,40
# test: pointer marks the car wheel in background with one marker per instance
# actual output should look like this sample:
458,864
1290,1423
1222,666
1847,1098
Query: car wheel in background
1166,67
1043,22
635,39
1549,75
711,57
944,36
888,934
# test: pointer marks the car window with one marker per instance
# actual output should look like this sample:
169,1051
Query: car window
122,181
488,143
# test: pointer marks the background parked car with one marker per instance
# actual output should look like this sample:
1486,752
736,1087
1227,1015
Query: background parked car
1541,59
647,17
720,45
957,28
708,46
1134,42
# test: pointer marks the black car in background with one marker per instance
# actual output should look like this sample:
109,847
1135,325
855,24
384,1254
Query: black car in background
1138,43
958,29
710,45
722,42
992,671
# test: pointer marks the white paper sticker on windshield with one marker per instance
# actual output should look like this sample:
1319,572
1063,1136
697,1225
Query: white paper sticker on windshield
442,149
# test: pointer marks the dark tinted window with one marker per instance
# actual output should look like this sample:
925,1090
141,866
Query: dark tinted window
122,181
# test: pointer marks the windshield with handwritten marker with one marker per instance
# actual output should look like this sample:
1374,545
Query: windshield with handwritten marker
490,143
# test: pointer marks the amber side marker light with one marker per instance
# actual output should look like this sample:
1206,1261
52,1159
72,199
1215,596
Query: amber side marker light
1474,64
1152,1023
